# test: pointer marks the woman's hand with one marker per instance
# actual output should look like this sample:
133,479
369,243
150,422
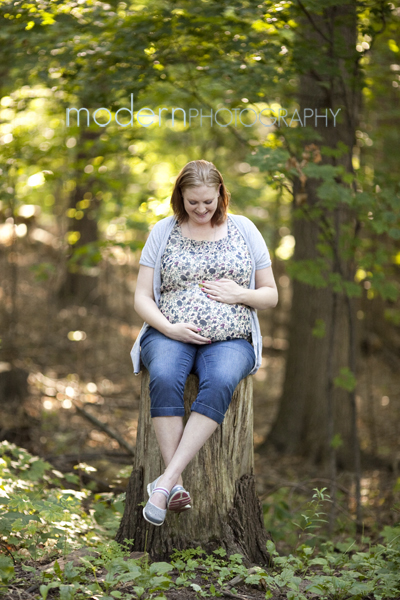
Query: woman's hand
186,332
223,290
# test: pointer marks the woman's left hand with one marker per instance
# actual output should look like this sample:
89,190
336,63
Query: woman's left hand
223,290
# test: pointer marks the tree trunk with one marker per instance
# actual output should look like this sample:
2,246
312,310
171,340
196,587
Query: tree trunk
301,426
225,509
80,283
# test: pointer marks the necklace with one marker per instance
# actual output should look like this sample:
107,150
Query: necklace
191,234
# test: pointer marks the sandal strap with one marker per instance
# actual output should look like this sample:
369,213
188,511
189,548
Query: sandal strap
161,490
178,488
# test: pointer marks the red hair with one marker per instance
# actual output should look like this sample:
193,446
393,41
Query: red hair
195,174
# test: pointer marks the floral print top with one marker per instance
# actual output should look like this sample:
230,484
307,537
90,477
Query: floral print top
185,263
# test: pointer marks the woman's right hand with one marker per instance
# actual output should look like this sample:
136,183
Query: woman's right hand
186,332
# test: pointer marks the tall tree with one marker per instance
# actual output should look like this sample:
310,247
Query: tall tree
313,413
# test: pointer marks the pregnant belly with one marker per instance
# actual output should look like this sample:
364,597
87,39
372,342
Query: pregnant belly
218,321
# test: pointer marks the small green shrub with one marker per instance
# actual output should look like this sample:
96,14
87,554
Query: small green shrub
38,512
40,515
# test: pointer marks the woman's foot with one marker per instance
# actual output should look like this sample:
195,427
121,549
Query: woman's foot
179,499
158,499
152,513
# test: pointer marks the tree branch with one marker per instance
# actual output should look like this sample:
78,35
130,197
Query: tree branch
305,11
104,427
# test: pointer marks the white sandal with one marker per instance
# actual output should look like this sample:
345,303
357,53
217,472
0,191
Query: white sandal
179,499
152,513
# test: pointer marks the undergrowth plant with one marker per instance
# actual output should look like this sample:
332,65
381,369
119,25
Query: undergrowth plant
40,516
312,517
41,512
110,577
302,525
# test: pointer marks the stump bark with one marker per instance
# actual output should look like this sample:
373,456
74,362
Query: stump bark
225,509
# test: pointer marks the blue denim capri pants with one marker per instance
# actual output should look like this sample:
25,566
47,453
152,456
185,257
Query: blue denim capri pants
220,366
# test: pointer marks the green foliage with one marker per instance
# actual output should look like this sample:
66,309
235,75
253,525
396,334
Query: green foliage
311,272
112,574
6,569
147,579
333,571
338,572
216,567
336,441
312,517
304,524
345,379
43,271
319,329
37,512
374,213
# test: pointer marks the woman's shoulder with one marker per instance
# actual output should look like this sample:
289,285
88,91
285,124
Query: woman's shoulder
245,222
164,222
253,235
155,241
163,225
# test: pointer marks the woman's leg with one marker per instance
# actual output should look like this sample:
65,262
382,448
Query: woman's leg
169,363
220,366
169,431
197,431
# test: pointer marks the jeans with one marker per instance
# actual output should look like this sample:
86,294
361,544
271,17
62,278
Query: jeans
220,366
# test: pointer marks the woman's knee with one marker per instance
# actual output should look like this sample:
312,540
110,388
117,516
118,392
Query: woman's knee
214,398
223,379
226,362
166,394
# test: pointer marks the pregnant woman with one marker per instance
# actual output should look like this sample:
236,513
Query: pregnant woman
203,274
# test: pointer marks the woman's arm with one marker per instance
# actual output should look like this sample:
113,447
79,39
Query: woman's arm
265,295
226,290
146,308
144,304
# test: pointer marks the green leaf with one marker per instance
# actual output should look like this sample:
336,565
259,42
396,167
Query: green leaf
336,441
352,289
67,592
391,533
394,232
71,478
44,589
160,568
6,569
319,329
71,572
309,271
346,379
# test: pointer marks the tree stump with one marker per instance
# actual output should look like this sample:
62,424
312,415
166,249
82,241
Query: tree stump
225,509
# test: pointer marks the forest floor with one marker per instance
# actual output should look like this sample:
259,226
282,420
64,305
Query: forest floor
78,357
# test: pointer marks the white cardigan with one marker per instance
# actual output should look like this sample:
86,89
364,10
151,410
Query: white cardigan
151,257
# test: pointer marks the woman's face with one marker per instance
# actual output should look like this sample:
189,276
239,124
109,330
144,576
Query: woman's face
200,203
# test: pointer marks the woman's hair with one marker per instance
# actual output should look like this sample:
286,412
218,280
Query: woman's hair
195,174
